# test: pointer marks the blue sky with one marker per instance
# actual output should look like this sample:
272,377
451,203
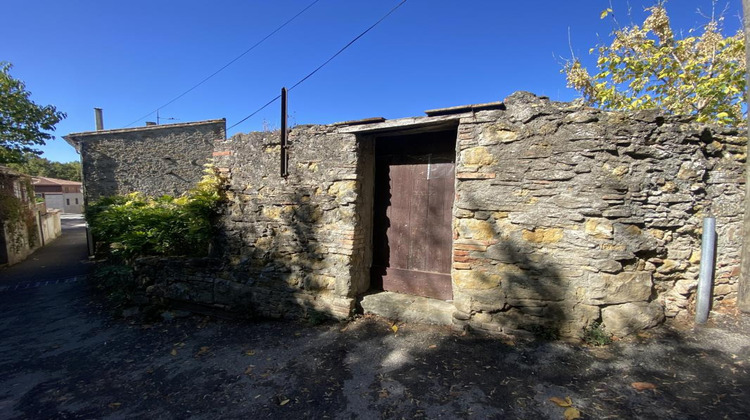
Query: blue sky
131,57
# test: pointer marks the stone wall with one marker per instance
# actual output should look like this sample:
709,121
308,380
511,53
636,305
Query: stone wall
567,215
294,244
154,160
22,221
563,216
20,239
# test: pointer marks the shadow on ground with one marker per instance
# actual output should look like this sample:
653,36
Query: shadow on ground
63,356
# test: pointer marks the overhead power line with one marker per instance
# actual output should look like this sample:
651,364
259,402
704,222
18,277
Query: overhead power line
322,65
229,63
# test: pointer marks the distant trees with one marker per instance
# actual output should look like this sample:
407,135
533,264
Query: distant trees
37,166
648,66
23,123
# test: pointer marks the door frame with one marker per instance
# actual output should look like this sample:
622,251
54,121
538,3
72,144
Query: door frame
433,140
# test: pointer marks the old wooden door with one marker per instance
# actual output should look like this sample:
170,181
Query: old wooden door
413,210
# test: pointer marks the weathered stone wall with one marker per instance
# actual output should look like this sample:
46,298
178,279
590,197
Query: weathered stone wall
566,215
21,220
296,243
154,160
563,216
22,238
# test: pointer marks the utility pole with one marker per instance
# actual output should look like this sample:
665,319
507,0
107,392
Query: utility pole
284,139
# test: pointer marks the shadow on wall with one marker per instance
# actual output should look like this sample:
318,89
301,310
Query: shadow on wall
280,273
99,178
267,280
381,247
522,289
507,281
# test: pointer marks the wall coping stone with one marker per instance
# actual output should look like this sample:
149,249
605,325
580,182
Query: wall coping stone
430,123
465,108
72,137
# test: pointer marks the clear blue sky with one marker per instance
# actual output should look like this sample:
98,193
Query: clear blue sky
130,57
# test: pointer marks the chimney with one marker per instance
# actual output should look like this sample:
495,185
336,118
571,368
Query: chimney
99,119
150,123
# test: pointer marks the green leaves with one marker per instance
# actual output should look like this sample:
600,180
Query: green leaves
134,225
23,123
647,67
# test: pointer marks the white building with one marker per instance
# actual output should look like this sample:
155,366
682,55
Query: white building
59,193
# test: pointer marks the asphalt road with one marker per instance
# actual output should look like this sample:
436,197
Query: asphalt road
65,258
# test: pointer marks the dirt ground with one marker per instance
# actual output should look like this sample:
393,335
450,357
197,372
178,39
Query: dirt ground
63,355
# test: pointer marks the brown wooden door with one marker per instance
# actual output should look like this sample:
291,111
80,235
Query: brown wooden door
412,225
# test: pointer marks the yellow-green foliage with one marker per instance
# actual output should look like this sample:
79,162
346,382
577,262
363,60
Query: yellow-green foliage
647,67
135,225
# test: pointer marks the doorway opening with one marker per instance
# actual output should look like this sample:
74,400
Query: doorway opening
413,212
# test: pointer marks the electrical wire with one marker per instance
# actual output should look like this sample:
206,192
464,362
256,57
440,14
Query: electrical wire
229,63
322,65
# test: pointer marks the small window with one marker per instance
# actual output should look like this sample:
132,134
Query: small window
76,201
68,200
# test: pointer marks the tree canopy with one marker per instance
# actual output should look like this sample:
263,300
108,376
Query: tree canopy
38,166
23,123
648,66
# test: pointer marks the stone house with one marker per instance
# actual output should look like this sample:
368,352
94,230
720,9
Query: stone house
524,214
59,193
154,160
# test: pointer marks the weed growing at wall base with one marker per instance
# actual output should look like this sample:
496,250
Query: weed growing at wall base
596,335
136,225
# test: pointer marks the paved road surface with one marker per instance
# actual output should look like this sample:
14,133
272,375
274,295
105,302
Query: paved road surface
65,258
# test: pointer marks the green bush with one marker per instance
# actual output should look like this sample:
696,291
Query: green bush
135,225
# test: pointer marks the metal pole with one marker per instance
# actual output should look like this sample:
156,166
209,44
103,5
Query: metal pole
708,247
284,157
